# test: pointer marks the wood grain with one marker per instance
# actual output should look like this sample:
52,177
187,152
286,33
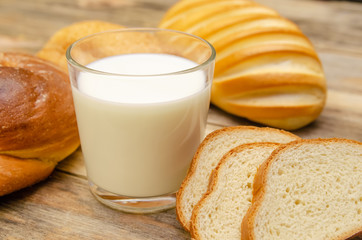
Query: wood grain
62,207
333,26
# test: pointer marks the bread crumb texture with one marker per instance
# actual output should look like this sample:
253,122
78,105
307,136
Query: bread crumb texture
219,214
210,153
313,190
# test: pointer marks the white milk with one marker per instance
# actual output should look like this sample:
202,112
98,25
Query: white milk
139,134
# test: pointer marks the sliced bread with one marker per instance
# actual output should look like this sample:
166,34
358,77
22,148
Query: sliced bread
208,155
308,189
220,212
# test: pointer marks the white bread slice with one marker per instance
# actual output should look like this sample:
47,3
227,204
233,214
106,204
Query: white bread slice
208,155
308,189
220,212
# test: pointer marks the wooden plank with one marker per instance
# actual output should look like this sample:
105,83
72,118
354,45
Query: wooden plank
74,164
62,207
340,69
25,26
330,25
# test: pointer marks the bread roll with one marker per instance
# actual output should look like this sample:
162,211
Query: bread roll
37,119
308,189
55,48
266,68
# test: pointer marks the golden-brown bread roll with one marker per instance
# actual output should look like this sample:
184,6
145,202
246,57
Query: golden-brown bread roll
266,69
17,173
37,121
54,50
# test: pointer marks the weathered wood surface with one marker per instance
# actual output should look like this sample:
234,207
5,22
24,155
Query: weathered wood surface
62,206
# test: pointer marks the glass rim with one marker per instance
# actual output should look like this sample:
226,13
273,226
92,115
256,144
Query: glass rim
81,67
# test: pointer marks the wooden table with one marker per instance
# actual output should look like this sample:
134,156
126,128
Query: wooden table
62,206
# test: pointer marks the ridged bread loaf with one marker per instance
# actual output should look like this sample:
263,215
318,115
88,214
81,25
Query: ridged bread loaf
308,189
266,69
208,156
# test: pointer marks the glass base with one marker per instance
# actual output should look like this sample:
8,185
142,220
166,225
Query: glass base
133,204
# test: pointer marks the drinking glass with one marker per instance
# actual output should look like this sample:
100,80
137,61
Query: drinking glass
141,98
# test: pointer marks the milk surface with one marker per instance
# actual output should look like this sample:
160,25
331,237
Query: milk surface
139,134
142,89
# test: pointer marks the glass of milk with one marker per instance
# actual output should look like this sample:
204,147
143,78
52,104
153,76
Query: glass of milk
141,98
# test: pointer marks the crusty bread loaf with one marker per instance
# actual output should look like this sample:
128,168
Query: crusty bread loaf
208,155
266,69
219,213
18,173
308,189
37,119
55,48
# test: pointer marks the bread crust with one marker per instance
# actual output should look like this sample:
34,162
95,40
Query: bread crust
287,61
192,169
179,206
187,5
37,119
16,173
215,25
214,179
54,49
179,21
247,232
243,55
